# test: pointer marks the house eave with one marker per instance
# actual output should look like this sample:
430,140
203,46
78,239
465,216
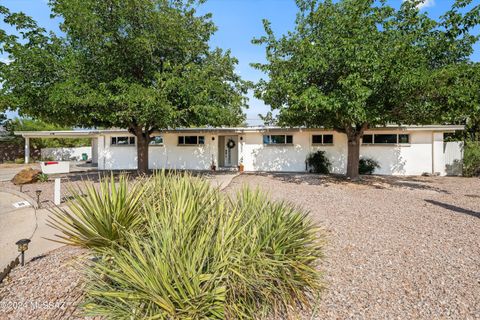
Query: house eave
225,130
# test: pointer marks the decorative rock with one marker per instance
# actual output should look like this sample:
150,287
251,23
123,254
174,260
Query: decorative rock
26,176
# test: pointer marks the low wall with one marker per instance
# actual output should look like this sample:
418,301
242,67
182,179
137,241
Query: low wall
66,154
453,153
11,152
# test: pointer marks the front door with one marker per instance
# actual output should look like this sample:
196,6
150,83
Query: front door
231,151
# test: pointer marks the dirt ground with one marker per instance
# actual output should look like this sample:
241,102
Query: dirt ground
398,247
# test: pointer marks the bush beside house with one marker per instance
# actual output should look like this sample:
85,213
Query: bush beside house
471,159
368,166
319,163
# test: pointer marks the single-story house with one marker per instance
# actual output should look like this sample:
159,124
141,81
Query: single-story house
400,150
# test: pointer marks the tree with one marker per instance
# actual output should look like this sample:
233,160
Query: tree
3,120
144,65
357,64
268,119
26,124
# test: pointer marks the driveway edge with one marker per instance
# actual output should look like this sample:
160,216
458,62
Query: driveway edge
21,195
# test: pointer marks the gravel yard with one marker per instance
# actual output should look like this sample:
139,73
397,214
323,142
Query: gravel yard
399,248
77,180
49,287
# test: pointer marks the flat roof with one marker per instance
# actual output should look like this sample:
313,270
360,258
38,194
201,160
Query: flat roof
94,132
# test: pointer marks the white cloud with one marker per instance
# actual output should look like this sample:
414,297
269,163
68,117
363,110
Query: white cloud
5,60
425,4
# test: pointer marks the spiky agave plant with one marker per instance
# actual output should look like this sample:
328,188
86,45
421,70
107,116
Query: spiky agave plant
202,256
275,267
98,217
174,268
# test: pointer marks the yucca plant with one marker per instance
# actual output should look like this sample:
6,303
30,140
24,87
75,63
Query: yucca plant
173,268
99,217
200,255
276,258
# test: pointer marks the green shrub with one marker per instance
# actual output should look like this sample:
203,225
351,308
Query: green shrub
98,217
367,166
201,255
471,159
19,161
318,162
42,177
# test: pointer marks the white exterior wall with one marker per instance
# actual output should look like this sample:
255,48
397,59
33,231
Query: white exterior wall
94,150
173,156
453,157
414,158
168,156
291,158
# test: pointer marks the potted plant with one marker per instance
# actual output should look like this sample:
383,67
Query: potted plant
213,167
241,167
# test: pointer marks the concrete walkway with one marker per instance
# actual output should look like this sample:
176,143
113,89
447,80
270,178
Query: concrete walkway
222,180
16,224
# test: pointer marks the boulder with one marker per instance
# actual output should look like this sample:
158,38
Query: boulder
28,175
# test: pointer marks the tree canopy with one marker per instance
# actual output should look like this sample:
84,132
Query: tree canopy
144,65
351,65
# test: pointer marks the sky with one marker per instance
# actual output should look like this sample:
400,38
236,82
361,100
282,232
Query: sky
238,22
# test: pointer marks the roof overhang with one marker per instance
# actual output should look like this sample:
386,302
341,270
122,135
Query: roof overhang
233,130
58,134
440,128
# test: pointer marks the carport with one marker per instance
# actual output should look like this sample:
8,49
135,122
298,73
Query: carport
93,135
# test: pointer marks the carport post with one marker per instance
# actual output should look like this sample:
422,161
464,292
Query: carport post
27,149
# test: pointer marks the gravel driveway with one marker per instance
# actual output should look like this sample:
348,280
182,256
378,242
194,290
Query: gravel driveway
399,248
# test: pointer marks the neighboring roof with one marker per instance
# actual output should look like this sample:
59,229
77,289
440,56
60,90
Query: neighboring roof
238,130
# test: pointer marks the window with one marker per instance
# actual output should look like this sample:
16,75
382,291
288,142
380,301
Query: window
322,139
122,141
190,140
278,139
157,141
328,139
367,139
317,139
386,139
403,138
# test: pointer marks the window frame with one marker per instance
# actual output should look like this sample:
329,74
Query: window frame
323,139
285,138
154,144
129,139
397,143
200,141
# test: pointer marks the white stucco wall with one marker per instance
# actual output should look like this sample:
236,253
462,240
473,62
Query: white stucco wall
291,158
94,150
414,158
453,157
173,156
168,156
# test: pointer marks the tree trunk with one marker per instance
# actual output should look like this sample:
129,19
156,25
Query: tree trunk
354,134
143,141
353,157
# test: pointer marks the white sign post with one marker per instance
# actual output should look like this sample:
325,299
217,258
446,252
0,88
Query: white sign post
56,196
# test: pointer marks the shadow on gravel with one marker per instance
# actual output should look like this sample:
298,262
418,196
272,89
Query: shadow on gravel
377,182
454,208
